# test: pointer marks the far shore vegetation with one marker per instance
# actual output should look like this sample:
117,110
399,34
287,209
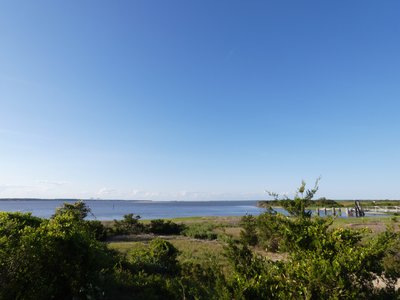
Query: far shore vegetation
323,202
270,256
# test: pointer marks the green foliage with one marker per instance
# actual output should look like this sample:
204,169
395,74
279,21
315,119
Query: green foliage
322,264
337,265
323,202
159,257
57,259
78,209
62,258
268,234
391,260
12,224
128,225
203,281
163,254
253,277
99,231
249,233
164,227
200,231
297,206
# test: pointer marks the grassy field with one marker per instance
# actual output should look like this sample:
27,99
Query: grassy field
190,248
201,250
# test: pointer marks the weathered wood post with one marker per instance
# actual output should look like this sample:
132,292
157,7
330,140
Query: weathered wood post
334,211
318,211
325,211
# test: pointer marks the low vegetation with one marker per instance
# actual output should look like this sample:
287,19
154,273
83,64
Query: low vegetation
323,202
68,257
201,231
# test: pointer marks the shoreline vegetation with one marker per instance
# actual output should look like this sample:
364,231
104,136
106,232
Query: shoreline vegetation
268,256
323,202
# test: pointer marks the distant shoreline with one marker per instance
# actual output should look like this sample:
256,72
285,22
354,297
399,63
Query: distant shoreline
121,200
68,199
143,200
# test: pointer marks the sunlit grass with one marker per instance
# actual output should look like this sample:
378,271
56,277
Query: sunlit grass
190,249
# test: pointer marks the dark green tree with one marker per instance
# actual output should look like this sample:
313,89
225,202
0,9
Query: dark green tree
248,234
78,209
128,225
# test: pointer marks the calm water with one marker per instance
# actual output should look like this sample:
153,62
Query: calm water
115,209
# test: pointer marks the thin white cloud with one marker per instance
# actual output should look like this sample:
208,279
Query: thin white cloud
64,189
53,182
106,192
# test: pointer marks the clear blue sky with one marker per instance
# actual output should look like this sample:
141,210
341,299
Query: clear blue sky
199,99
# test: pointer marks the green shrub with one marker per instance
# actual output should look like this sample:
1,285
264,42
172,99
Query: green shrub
203,281
99,231
249,233
200,231
12,224
269,236
325,203
128,225
391,260
59,259
78,209
322,263
164,227
159,257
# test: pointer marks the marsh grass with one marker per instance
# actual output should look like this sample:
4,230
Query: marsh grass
208,251
190,249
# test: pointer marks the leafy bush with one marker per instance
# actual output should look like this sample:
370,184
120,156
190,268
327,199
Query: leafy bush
128,225
200,231
322,263
12,224
269,235
391,260
202,281
164,227
61,258
249,233
325,203
58,259
159,257
99,231
78,209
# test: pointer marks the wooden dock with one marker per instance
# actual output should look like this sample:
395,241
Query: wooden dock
352,212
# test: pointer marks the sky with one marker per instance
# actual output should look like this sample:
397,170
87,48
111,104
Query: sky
199,100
